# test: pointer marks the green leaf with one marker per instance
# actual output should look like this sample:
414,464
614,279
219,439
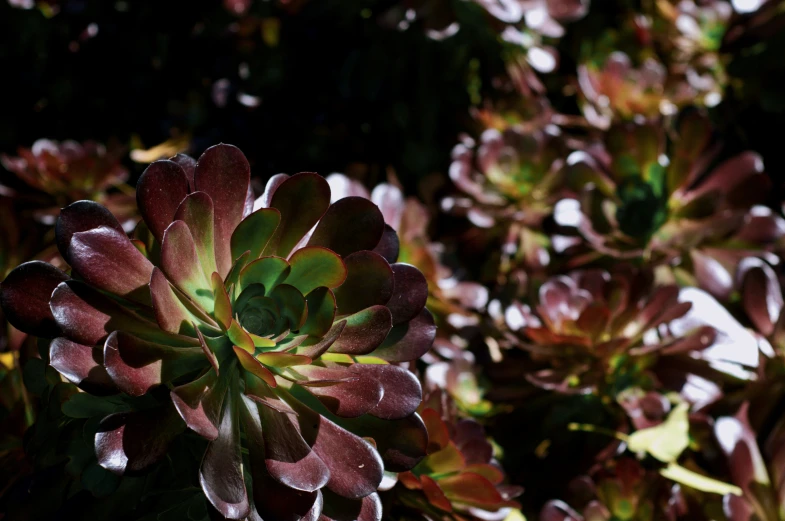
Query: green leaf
254,232
99,481
667,440
83,405
697,481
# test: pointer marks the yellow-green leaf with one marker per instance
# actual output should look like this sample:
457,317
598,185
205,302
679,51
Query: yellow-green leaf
697,481
665,441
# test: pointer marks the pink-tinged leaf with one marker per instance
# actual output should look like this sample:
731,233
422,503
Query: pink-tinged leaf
369,282
223,306
470,489
470,438
24,297
355,467
761,296
273,500
81,216
269,189
199,403
253,366
410,481
188,164
106,259
131,442
402,390
364,331
254,232
731,173
224,174
249,200
434,494
711,275
81,365
438,434
267,271
302,199
337,508
262,394
197,212
408,341
321,312
87,316
282,360
488,471
350,225
409,295
745,462
170,312
402,444
181,264
136,365
221,475
232,280
556,510
314,267
353,395
287,457
389,245
159,192
314,347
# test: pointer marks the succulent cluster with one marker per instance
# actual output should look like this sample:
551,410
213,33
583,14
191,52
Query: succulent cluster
577,315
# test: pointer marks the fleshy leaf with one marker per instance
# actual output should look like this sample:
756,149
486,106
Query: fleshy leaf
697,481
364,331
159,192
402,444
253,366
403,392
321,312
313,267
24,296
197,212
81,216
223,173
408,341
223,306
254,232
354,394
389,246
267,271
470,489
667,440
291,304
170,312
106,259
337,508
369,282
130,442
302,200
350,225
434,494
221,475
80,364
182,266
199,403
409,295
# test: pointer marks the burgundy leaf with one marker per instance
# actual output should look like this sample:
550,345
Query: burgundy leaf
221,475
170,311
81,364
408,341
369,282
106,259
188,164
180,261
130,442
402,443
81,216
159,192
199,403
350,225
24,297
409,295
354,394
364,331
337,508
402,390
224,174
762,297
198,213
389,245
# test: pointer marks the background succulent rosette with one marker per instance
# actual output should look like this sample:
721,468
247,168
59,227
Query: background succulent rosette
274,324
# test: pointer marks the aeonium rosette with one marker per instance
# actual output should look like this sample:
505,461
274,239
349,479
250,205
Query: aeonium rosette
275,324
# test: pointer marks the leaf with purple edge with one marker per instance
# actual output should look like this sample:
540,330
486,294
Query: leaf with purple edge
369,282
159,192
364,332
131,442
24,297
106,259
254,232
349,396
314,347
321,312
267,271
81,216
408,341
188,164
170,312
82,365
199,403
197,212
223,173
349,225
182,266
221,474
302,200
313,267
253,366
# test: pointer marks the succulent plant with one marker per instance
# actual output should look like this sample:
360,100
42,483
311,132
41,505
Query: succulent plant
595,331
51,175
666,199
273,328
459,479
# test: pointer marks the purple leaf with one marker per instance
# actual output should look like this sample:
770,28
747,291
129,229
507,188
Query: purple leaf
188,164
408,341
369,282
337,508
402,390
159,192
24,297
199,403
81,364
197,212
352,395
180,262
81,216
410,293
389,245
224,174
350,225
364,331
